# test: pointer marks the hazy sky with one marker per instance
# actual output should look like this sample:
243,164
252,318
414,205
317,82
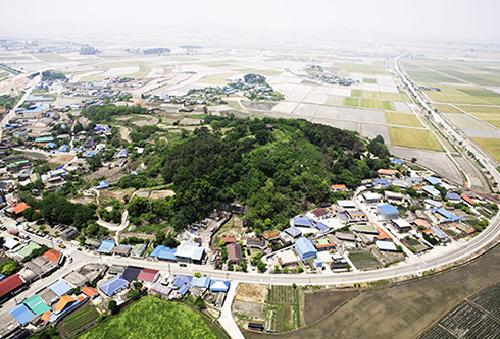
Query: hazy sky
471,20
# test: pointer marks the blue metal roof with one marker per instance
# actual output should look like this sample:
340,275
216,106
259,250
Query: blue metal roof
200,282
293,231
112,286
300,221
386,245
381,181
439,232
106,246
397,161
447,214
182,280
60,287
433,203
305,248
219,285
388,210
183,289
22,314
433,181
452,196
322,227
164,253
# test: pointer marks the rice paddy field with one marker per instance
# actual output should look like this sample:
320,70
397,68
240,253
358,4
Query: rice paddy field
490,145
413,138
403,119
152,317
469,95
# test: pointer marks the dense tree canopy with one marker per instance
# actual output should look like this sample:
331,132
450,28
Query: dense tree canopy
104,113
276,167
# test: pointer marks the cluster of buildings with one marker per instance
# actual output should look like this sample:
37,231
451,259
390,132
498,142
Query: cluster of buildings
28,267
252,86
52,303
317,73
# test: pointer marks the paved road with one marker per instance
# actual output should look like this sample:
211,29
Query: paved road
449,255
12,112
454,135
226,319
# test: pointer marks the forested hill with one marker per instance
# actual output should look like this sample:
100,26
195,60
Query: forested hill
276,167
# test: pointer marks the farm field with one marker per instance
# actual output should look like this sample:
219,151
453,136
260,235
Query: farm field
363,260
467,122
319,304
51,57
490,145
404,119
446,108
369,103
78,321
151,317
134,69
217,78
385,96
405,310
282,309
475,317
492,118
413,138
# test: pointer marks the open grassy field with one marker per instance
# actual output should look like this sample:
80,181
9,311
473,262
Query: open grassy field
404,119
490,145
369,103
413,138
404,310
78,321
152,317
492,118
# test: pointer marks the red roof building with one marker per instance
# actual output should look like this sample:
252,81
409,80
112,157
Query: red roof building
234,255
53,255
148,275
89,291
227,239
10,284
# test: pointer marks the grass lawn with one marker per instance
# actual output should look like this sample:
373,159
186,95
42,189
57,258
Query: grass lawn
152,317
78,321
369,103
395,118
490,145
413,138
